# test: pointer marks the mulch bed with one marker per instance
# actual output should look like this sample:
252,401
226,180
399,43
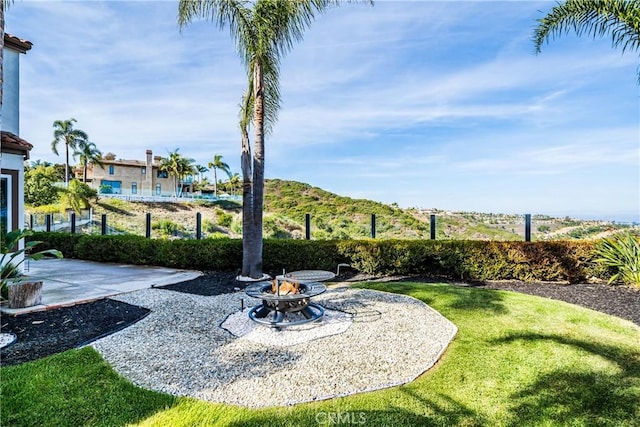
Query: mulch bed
45,333
620,301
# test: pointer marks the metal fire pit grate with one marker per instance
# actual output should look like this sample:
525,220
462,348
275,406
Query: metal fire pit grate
309,275
274,308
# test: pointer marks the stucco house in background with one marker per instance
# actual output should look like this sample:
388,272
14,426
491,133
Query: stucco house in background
13,150
132,177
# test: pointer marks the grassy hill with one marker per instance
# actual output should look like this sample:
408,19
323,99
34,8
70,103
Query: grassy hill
332,217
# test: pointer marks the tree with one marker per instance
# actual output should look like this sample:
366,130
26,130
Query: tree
64,133
36,163
618,18
234,182
264,31
88,153
215,165
200,170
177,166
39,185
77,196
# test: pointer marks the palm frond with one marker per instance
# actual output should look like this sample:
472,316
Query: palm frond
619,19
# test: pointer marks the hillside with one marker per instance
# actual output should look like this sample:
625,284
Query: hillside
332,217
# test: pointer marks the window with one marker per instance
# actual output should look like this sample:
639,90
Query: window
134,188
143,170
158,189
163,174
111,170
5,205
110,187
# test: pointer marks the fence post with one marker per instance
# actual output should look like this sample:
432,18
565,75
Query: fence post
198,226
373,226
307,226
432,226
527,227
104,224
73,223
147,233
48,223
30,221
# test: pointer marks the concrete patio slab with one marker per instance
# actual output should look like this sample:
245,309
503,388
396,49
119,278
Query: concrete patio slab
71,281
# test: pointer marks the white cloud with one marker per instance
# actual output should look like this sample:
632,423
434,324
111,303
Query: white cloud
384,96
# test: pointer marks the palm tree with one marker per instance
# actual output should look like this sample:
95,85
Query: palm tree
76,196
234,182
70,137
200,170
214,166
264,31
177,166
88,153
618,18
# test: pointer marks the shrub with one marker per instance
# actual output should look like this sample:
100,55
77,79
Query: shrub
474,260
166,227
224,219
458,259
39,185
621,253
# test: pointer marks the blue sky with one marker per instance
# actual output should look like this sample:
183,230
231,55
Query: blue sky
425,104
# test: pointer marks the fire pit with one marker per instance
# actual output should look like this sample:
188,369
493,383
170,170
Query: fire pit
290,293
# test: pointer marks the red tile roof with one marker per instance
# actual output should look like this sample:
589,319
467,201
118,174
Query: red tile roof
16,43
13,144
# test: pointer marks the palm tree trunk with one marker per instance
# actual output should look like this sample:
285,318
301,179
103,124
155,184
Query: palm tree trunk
247,203
215,182
66,166
258,173
84,173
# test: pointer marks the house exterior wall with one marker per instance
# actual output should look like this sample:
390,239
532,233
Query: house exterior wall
126,173
13,150
12,156
12,170
11,91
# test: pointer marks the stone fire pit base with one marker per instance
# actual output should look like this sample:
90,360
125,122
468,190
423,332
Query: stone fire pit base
181,348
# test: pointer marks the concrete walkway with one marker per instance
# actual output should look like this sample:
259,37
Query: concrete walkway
71,281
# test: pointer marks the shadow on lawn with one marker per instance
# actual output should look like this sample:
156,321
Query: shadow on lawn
456,297
572,396
444,412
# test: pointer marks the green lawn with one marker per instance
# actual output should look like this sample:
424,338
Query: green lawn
517,360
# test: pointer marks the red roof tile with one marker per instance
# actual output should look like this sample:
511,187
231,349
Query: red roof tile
12,143
16,43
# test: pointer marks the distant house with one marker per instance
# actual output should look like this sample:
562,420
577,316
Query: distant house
132,177
14,150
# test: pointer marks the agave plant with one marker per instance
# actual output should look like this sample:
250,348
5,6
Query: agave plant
12,259
621,253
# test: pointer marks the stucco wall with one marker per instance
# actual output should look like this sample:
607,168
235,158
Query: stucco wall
127,175
11,92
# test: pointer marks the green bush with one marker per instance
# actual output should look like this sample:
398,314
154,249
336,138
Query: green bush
475,260
294,255
459,259
621,254
64,242
166,227
224,219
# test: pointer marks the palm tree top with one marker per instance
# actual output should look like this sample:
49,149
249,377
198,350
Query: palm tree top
598,18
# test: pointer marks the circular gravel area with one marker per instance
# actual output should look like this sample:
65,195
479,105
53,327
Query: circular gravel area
181,348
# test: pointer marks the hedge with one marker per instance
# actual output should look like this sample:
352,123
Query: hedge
570,261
